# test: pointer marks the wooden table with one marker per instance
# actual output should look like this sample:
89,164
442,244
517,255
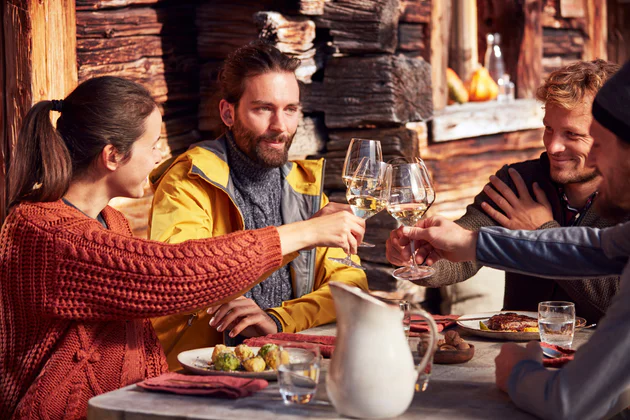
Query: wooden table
464,391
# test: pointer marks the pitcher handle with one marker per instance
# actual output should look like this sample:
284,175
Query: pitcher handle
423,376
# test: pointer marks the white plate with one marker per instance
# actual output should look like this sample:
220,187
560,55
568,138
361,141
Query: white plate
473,327
198,361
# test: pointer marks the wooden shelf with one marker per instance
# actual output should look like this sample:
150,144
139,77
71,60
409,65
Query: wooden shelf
482,118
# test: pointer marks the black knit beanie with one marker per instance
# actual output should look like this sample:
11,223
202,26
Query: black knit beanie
611,107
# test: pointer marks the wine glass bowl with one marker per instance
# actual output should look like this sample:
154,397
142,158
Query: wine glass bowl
411,195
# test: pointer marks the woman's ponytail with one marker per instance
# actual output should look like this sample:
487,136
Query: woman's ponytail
40,168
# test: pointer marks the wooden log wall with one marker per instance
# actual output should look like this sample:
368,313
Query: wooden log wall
618,14
37,62
154,43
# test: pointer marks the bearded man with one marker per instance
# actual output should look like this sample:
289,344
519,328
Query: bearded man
243,180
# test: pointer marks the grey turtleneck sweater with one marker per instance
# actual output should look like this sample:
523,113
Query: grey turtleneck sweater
258,194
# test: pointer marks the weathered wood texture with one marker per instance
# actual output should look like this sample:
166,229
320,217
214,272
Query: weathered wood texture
618,31
563,42
461,168
362,26
4,139
463,55
479,119
520,26
440,25
293,36
153,43
415,11
597,30
382,90
39,43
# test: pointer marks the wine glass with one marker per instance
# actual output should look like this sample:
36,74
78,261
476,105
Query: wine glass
411,195
357,150
367,194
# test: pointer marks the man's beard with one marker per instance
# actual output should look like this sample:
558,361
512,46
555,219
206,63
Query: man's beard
574,178
254,150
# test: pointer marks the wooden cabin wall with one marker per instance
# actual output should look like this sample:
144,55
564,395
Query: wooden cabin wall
154,43
618,31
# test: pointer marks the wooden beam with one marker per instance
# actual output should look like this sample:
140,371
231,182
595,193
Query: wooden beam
529,63
40,58
595,45
464,56
519,23
440,26
618,31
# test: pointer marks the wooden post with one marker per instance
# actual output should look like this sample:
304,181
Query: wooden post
529,65
39,61
440,22
464,56
618,31
595,45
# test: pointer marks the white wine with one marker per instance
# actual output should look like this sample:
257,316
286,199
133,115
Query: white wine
366,206
407,214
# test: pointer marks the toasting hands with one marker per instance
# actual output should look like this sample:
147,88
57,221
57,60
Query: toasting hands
436,238
522,212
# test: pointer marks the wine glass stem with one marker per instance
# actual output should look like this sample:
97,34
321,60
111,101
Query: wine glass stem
413,255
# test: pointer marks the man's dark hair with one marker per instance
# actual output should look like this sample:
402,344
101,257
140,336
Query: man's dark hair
252,60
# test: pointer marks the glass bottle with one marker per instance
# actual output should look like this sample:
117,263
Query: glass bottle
494,57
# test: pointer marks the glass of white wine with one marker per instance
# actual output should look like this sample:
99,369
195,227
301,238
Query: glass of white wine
411,195
367,194
358,150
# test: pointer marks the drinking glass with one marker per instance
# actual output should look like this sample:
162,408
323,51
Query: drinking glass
556,322
298,377
411,195
358,150
367,194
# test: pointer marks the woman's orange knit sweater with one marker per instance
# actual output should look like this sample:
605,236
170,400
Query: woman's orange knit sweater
75,298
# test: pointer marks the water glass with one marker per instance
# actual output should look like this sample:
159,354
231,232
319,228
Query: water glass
298,377
556,322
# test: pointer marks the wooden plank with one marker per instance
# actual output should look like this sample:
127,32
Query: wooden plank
463,57
440,29
597,30
618,31
572,8
137,21
478,119
40,58
563,42
374,91
99,51
109,4
519,24
529,66
362,26
412,37
416,11
293,36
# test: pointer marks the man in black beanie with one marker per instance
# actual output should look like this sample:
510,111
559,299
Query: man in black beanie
596,384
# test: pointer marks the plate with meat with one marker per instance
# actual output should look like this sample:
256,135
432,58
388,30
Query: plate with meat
506,325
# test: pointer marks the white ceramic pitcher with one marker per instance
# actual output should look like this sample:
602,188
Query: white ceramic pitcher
372,372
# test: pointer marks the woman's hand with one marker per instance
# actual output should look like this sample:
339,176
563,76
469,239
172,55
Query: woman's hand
337,230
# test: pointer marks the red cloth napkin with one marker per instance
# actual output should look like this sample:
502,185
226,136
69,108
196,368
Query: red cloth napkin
560,361
217,386
442,321
326,342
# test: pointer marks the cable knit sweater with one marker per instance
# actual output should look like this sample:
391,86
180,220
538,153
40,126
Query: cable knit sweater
75,298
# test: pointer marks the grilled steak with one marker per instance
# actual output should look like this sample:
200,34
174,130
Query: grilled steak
511,321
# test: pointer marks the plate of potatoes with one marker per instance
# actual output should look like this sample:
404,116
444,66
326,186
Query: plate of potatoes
242,360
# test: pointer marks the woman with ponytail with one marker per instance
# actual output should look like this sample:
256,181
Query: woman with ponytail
76,289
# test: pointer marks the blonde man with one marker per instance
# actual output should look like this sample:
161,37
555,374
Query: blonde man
556,190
